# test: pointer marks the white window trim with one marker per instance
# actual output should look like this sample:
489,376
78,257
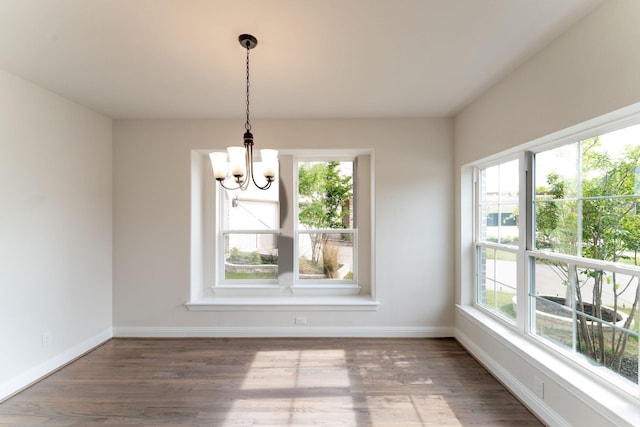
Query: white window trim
270,296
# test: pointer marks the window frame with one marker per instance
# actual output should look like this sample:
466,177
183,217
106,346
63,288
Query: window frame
326,286
479,243
222,232
524,326
533,253
208,293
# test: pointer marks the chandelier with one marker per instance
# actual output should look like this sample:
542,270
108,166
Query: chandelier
237,163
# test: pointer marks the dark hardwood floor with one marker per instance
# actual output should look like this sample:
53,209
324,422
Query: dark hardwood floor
270,382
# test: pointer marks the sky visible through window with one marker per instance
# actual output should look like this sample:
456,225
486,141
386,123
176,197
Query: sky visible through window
564,160
613,143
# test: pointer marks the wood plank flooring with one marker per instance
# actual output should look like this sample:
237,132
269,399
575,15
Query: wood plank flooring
270,382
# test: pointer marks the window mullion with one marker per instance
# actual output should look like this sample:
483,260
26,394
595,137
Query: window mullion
571,297
286,239
579,196
526,238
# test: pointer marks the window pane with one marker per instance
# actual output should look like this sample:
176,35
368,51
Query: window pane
325,195
324,256
497,281
251,256
587,194
557,172
252,209
592,311
498,198
553,321
551,278
556,225
552,302
610,228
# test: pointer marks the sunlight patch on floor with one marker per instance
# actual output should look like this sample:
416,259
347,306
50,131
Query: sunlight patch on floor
295,387
330,410
412,409
297,369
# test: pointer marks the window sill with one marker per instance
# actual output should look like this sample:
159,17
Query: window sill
284,303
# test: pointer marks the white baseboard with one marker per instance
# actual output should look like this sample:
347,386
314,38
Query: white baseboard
526,396
40,371
282,332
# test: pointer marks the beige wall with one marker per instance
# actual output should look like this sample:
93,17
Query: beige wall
589,71
413,216
55,228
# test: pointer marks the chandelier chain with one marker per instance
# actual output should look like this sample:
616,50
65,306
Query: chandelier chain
247,124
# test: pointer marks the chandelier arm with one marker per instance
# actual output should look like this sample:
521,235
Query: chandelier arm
263,187
228,188
248,158
249,146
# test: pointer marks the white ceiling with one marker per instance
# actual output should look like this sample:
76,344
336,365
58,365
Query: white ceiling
315,58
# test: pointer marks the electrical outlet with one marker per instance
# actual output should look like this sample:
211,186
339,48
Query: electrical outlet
538,387
46,339
300,320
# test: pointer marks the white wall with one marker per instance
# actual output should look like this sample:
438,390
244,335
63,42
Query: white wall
55,231
413,214
591,70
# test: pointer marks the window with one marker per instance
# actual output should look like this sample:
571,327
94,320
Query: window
497,238
308,236
575,234
326,239
249,227
584,259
